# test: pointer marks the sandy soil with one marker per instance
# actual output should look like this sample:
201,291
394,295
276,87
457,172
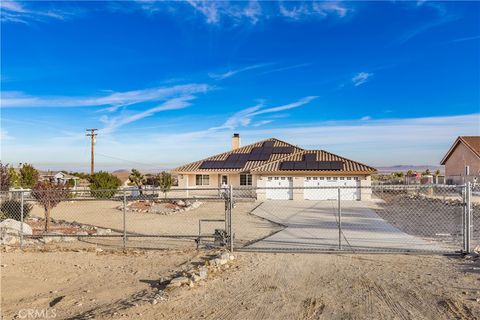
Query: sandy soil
105,214
257,286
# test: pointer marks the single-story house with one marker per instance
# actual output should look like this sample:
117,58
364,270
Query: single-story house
59,177
272,163
462,161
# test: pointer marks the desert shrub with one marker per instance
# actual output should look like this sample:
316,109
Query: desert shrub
103,185
165,180
49,195
11,209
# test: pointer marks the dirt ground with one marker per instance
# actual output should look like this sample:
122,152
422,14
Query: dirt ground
116,285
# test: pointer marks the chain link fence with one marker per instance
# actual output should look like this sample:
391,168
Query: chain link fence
380,218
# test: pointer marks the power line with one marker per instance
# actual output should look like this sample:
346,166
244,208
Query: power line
130,161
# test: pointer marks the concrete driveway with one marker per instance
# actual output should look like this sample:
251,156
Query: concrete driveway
313,225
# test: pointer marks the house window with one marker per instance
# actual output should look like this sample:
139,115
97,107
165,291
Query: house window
202,179
245,179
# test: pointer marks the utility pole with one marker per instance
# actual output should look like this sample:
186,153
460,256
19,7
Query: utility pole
92,135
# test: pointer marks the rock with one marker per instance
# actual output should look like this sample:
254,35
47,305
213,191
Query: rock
98,250
477,249
3,265
154,301
9,240
67,239
225,256
14,227
102,232
82,233
178,281
232,257
203,272
196,278
180,203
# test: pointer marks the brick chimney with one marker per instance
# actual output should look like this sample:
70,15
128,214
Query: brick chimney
236,141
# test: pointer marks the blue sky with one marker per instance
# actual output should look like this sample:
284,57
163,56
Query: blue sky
168,82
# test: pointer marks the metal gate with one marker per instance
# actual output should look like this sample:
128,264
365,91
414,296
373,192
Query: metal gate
387,218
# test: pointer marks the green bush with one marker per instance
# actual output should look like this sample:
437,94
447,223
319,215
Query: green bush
11,209
103,185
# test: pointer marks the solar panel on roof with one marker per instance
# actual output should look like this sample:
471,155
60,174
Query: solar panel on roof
300,165
336,165
233,157
311,165
323,165
287,165
310,157
256,150
268,143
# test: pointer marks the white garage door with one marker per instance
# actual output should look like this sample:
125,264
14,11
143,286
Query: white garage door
279,188
324,193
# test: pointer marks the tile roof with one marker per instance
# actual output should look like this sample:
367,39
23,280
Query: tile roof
273,164
471,142
349,166
195,166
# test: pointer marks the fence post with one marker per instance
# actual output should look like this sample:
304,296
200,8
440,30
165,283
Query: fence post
468,217
230,209
339,222
21,218
124,219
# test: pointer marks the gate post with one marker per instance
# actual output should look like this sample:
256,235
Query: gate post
124,219
468,217
21,218
339,222
230,209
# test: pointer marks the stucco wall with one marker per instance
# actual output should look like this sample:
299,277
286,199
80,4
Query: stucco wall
461,157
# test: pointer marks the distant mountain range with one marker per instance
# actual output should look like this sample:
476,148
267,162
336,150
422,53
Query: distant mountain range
405,168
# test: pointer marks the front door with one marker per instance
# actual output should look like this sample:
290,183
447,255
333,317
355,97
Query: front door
224,180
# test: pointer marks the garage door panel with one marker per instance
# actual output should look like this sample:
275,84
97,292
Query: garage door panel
279,188
326,188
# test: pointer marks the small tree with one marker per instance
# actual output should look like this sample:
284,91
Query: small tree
137,179
150,180
426,172
14,178
165,182
410,173
104,185
437,173
28,176
49,195
5,181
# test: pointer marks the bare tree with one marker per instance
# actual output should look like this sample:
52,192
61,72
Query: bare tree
49,195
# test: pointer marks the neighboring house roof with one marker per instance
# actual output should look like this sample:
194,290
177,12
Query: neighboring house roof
274,161
471,142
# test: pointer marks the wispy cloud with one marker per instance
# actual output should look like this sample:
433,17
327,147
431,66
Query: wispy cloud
20,12
214,11
298,10
173,104
4,135
230,73
244,117
441,17
300,65
261,123
466,39
12,99
360,78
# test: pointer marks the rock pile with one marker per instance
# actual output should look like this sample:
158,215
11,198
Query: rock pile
200,273
161,207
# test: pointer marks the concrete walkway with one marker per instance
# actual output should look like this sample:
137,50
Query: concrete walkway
313,225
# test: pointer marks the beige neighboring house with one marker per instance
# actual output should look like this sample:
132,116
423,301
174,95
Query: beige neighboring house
465,152
59,177
272,163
